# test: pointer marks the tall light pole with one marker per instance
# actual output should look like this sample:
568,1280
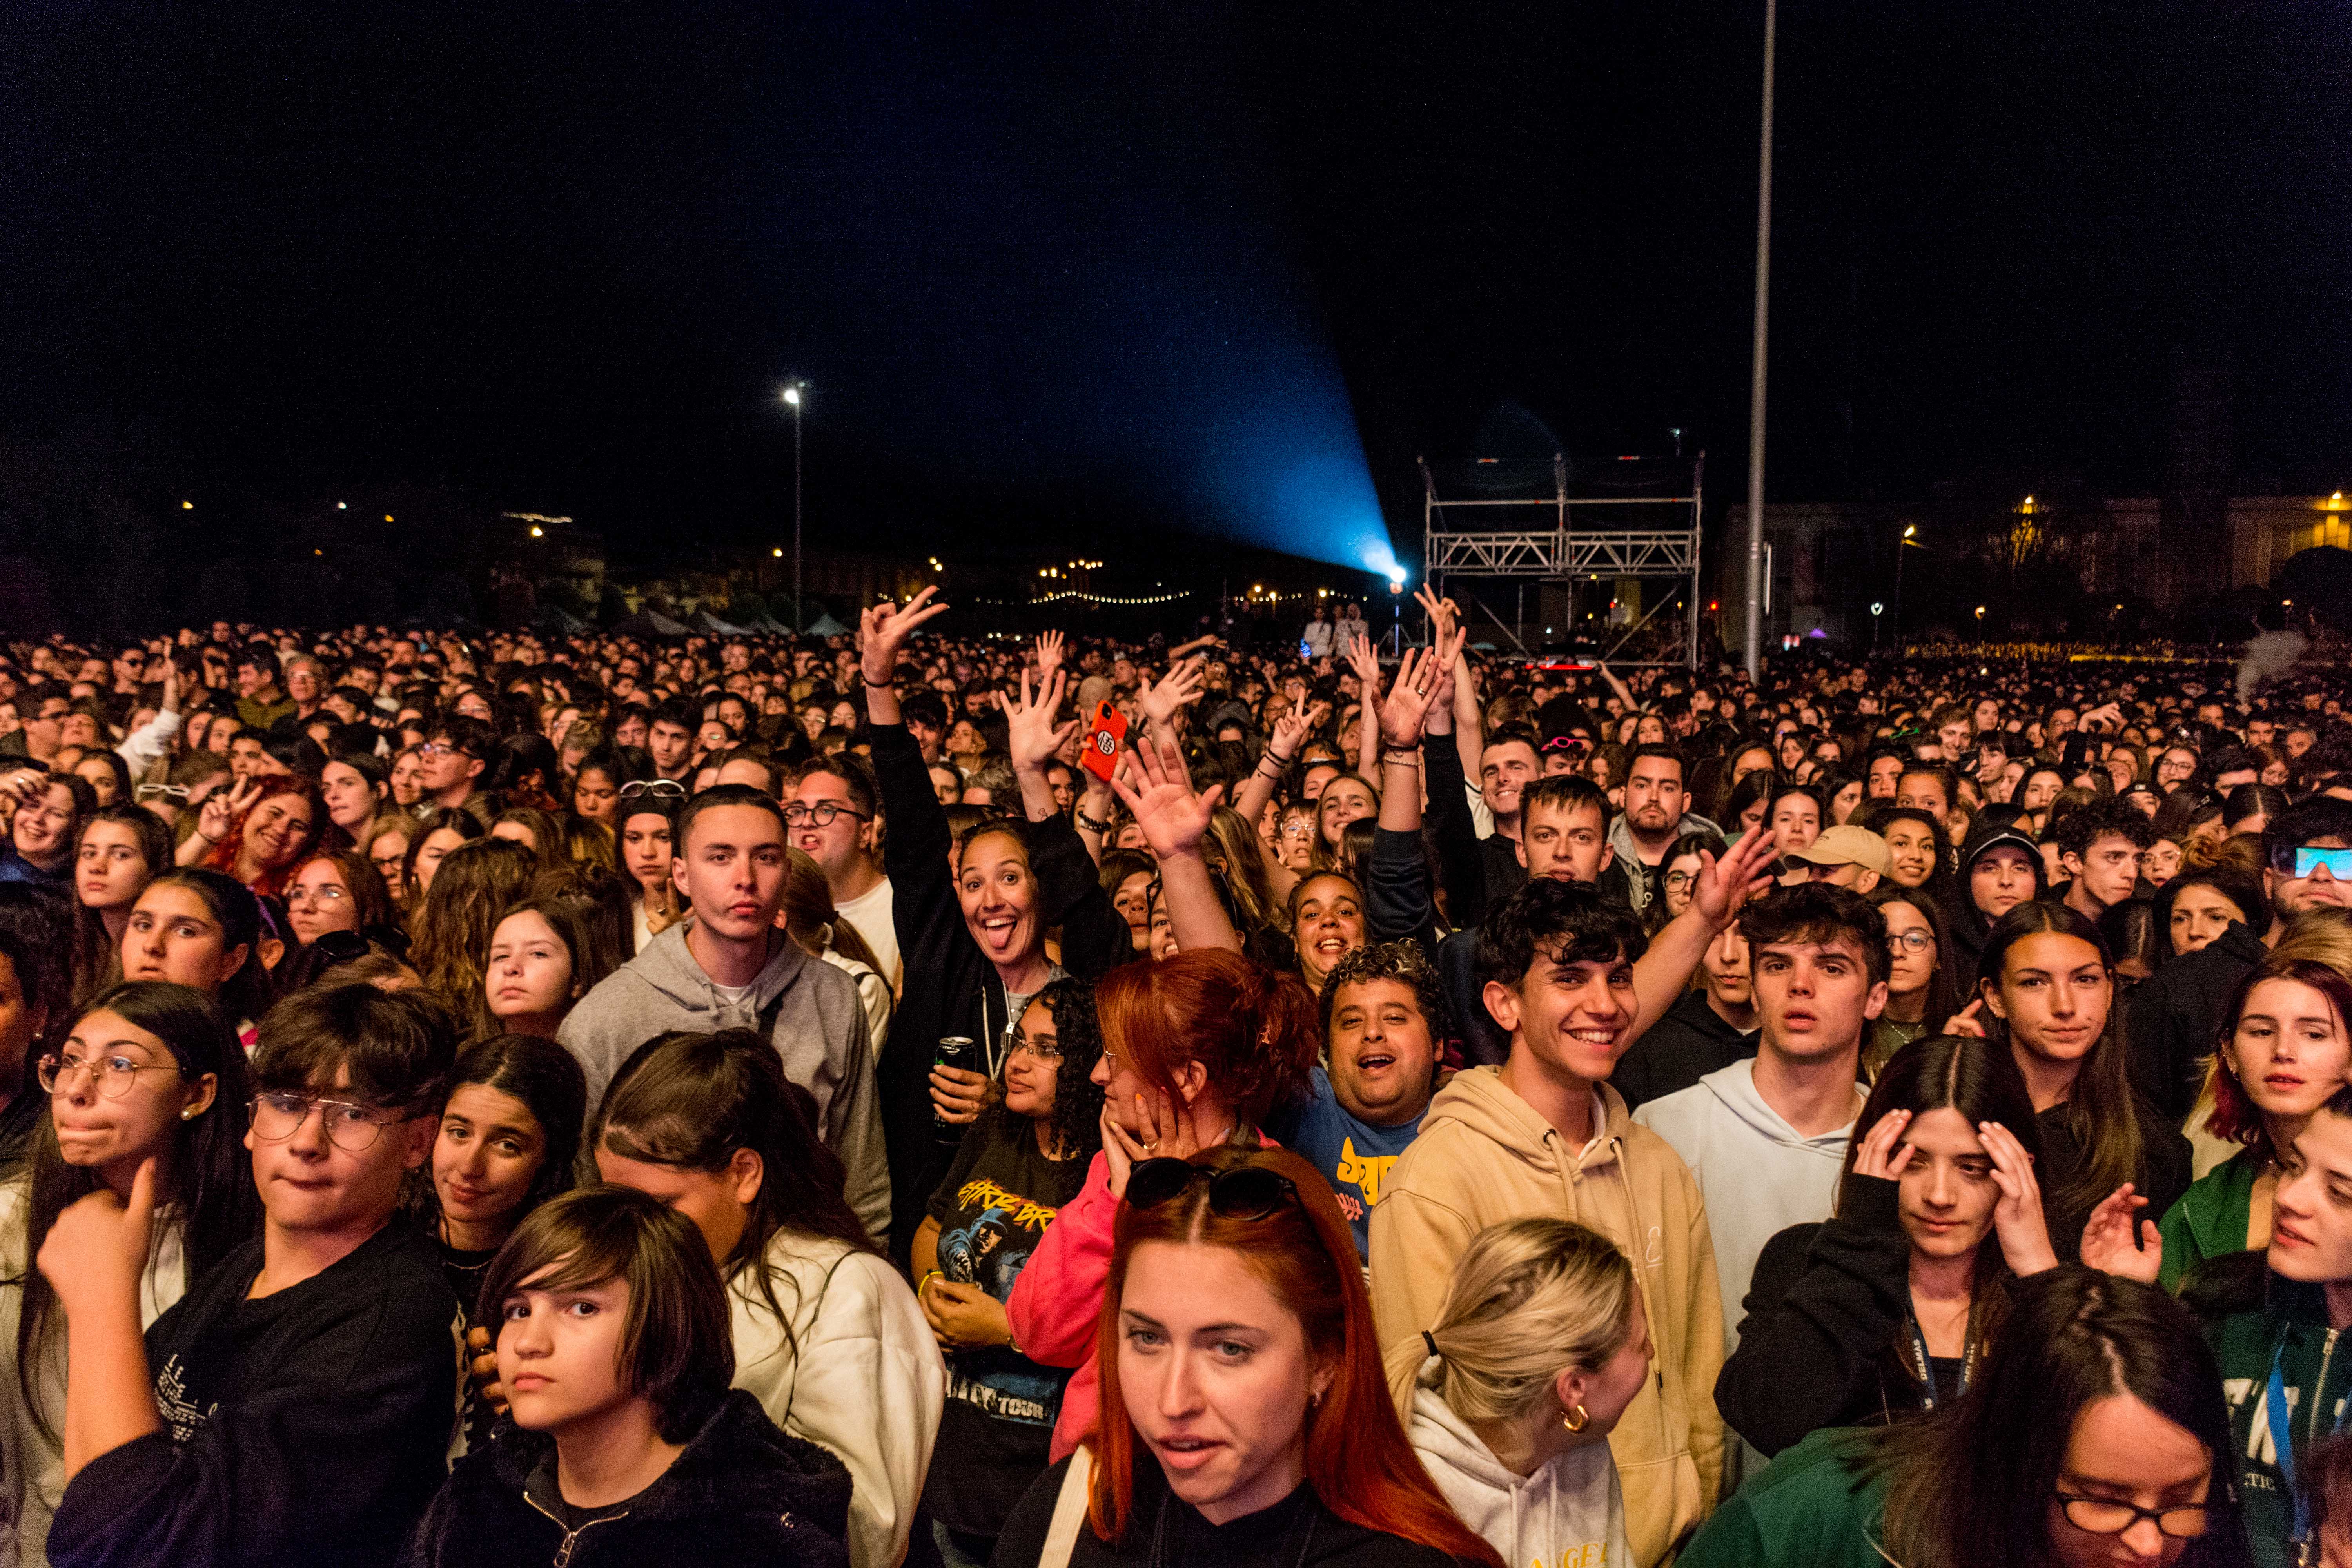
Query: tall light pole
1756,373
792,400
1906,542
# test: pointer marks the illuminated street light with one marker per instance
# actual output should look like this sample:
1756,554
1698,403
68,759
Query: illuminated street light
537,531
187,506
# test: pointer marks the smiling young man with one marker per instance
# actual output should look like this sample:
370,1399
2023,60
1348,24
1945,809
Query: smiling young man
1766,1137
1544,1134
1384,1024
304,1390
833,813
733,967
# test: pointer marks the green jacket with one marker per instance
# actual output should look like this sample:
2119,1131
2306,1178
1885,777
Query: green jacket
2212,1218
1808,1509
2244,1312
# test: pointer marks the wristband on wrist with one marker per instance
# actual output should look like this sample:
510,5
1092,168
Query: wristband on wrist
1088,822
1402,759
877,685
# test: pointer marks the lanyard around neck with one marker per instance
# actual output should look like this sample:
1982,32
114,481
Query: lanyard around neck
2282,1438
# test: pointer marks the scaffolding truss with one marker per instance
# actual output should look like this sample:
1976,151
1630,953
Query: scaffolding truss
1641,522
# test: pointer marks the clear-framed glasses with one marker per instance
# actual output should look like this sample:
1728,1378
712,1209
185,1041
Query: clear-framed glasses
326,896
660,789
2110,1516
175,793
110,1074
820,814
1916,939
354,1129
1036,1050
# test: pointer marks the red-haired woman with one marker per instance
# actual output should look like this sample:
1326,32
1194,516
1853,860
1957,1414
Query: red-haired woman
2286,1046
1246,1417
1196,1050
258,832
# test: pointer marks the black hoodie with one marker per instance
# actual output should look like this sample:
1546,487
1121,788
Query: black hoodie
743,1493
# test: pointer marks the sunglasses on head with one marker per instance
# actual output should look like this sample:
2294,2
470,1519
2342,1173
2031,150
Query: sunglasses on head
660,789
1247,1192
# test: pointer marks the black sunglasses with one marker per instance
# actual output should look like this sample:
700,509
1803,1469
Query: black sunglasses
1246,1191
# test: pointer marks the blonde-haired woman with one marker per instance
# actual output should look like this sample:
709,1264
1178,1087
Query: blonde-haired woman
1540,1347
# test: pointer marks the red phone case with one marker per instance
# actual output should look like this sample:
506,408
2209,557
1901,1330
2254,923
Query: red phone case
1104,737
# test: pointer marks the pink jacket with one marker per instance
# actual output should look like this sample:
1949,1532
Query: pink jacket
1057,1300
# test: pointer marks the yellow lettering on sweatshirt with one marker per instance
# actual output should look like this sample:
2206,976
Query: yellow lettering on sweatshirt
1367,1171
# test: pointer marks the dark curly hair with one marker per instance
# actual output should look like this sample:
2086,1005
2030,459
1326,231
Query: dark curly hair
1076,1125
1403,961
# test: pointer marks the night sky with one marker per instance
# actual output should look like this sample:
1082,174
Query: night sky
1080,275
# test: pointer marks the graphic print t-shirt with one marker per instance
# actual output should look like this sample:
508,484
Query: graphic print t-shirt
1354,1156
997,1200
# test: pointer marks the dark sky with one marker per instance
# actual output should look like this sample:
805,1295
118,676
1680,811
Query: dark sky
1047,267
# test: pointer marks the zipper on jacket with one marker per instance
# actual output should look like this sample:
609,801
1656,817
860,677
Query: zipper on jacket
2319,1388
570,1536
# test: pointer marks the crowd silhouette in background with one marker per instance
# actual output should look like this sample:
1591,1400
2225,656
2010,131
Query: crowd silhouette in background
484,1098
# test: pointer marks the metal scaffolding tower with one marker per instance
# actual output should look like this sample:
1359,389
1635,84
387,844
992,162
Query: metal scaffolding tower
1636,518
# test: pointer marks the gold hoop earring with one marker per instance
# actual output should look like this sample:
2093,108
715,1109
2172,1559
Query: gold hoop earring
1575,1420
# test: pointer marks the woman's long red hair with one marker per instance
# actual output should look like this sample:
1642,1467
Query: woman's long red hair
1357,1460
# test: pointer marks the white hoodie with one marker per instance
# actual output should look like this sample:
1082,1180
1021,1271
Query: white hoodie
1568,1515
1757,1175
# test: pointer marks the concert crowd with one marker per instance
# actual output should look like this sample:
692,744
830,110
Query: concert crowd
478,1098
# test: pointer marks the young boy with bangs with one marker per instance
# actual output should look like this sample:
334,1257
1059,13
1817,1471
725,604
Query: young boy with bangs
297,1405
615,1351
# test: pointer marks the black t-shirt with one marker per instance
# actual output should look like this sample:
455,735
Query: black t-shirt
308,1427
1296,1532
995,1203
1691,1041
464,1271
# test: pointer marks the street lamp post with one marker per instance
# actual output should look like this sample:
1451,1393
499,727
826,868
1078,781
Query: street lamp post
1905,542
792,401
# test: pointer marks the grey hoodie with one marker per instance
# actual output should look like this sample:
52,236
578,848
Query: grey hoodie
809,1010
1758,1176
1571,1510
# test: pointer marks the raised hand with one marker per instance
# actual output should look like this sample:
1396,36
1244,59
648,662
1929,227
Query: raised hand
1291,729
1367,666
1181,684
1883,1154
1031,738
2107,1239
1724,884
223,807
2017,1218
1049,653
883,629
1157,789
1968,1021
1406,707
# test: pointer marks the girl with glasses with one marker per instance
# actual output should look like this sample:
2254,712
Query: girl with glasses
150,1071
1246,1417
1017,1166
2095,1434
1920,990
335,890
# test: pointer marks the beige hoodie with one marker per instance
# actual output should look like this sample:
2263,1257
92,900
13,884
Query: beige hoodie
1484,1156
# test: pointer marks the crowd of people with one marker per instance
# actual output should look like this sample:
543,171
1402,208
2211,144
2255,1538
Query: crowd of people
487,1099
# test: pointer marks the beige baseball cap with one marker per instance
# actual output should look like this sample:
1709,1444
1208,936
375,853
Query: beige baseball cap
1848,845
